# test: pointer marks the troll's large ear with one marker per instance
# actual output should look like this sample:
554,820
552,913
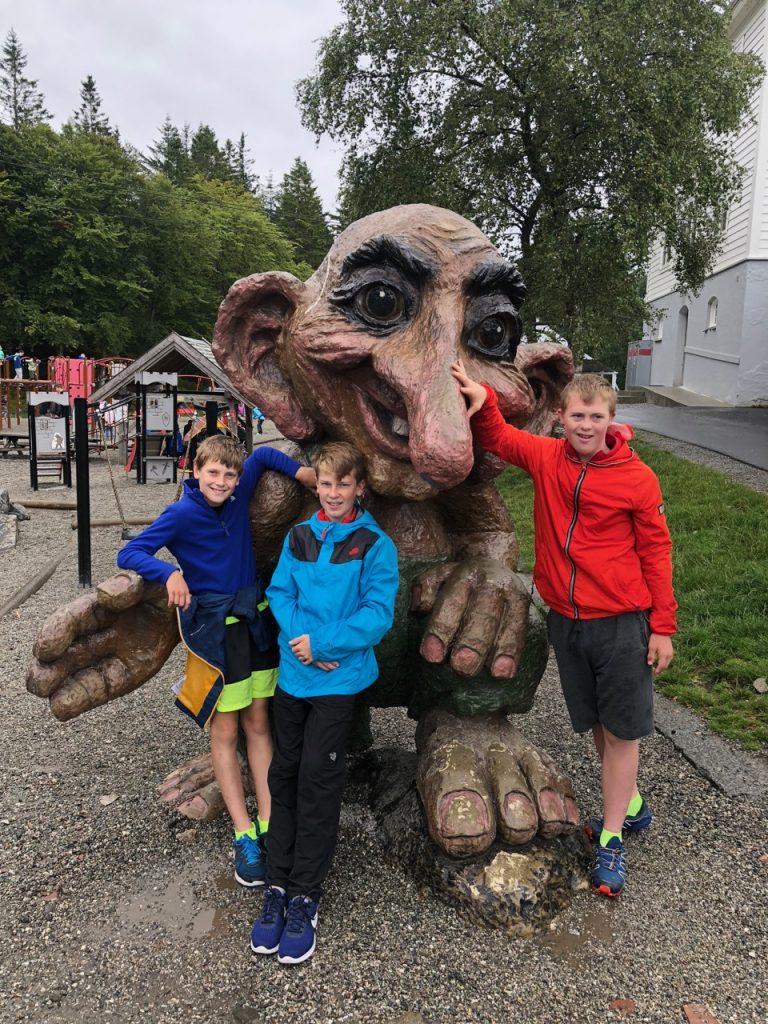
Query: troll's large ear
251,322
548,367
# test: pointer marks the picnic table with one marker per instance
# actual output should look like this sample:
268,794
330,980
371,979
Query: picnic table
13,444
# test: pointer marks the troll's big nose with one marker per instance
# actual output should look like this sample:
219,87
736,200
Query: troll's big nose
419,369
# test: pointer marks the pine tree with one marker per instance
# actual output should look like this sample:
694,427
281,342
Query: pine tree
243,164
205,156
170,154
299,215
21,100
268,194
87,118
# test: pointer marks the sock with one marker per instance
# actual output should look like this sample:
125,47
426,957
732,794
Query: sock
263,825
634,805
248,832
606,836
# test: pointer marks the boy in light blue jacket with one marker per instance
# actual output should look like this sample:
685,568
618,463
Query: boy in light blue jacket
333,595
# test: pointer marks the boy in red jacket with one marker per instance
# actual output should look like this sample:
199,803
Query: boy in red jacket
604,568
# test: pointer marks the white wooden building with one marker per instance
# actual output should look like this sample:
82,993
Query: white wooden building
715,343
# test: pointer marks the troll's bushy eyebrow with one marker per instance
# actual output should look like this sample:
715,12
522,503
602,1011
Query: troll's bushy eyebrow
389,251
497,276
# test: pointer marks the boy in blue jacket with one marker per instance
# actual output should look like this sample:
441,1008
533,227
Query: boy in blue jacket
333,595
232,659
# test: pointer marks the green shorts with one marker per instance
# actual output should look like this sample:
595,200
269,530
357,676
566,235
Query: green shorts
250,674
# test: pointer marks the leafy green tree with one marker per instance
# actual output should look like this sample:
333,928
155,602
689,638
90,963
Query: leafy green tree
20,99
98,255
299,214
72,272
573,133
170,154
88,118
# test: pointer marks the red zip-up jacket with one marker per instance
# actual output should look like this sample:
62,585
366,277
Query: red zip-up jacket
602,542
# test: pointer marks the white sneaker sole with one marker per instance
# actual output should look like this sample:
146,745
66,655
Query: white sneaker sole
264,950
304,956
249,885
297,959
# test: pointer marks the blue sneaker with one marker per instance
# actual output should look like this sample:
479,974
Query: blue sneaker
250,862
609,871
632,823
297,943
266,931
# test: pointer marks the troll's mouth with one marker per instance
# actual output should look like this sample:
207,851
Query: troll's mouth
383,413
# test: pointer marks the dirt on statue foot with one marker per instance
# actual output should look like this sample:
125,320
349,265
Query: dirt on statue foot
516,890
479,778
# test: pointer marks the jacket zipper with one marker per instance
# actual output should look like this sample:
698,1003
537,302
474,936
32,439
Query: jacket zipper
569,535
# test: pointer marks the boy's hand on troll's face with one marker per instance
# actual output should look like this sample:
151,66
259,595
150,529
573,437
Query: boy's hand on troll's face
474,393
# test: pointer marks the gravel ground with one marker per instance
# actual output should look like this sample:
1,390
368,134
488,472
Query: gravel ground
116,910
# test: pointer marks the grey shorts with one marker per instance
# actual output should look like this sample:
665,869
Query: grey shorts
604,672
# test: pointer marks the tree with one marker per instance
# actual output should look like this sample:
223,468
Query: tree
241,166
268,194
170,154
574,134
299,215
205,156
98,255
72,270
88,118
20,98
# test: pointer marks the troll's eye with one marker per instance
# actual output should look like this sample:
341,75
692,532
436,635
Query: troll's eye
380,303
495,336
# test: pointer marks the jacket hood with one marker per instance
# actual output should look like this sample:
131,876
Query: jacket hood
321,527
617,438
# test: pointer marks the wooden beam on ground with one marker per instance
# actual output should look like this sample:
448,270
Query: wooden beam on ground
33,585
116,522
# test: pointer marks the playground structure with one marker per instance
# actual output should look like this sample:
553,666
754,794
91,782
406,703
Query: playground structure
114,405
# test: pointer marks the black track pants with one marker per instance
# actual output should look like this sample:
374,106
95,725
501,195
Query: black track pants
306,783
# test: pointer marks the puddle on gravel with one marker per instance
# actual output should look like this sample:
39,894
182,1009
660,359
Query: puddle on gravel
175,910
225,882
567,941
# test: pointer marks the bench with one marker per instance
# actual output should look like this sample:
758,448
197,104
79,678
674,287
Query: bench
13,444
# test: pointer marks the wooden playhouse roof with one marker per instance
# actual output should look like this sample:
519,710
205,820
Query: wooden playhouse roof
189,357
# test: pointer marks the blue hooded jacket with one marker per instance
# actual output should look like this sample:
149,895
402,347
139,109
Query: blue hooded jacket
337,583
212,545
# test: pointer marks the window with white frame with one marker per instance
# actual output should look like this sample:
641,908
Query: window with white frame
712,314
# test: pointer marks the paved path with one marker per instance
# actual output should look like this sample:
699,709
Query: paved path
739,433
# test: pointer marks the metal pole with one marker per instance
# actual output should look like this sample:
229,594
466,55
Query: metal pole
31,428
83,493
211,418
174,431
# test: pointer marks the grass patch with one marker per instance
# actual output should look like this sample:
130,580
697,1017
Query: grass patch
720,559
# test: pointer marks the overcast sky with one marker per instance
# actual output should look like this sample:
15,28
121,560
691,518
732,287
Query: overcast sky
232,64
